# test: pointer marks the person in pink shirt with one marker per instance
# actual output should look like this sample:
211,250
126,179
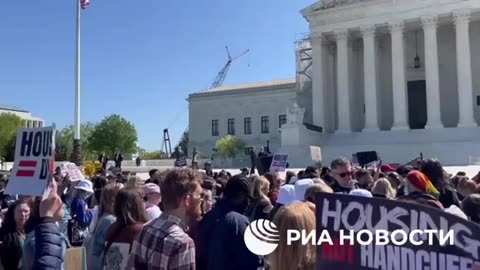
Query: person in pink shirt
153,199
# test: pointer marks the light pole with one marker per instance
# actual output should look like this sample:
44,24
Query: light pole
77,157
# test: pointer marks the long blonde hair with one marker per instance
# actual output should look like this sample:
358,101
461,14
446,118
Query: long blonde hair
296,216
107,199
135,182
261,186
383,187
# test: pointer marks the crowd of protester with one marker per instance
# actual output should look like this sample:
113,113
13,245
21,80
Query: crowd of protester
196,219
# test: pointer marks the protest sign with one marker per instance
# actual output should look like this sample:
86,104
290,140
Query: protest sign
181,162
339,215
74,173
316,153
34,161
279,163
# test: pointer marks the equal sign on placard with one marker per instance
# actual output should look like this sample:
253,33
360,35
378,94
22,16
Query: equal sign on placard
26,168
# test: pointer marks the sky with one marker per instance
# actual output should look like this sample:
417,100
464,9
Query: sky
140,59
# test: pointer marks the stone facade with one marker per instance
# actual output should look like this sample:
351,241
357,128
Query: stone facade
243,106
394,76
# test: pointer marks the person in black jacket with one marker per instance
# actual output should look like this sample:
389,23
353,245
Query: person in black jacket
342,172
220,243
433,169
12,234
48,244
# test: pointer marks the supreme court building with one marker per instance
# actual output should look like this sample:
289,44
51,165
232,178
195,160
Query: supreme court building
401,77
396,76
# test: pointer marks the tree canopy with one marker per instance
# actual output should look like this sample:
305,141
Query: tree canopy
229,146
112,134
9,126
64,142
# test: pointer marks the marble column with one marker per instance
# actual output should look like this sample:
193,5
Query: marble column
464,69
370,78
318,78
398,76
431,72
343,82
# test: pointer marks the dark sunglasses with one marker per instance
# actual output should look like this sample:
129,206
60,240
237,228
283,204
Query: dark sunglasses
345,174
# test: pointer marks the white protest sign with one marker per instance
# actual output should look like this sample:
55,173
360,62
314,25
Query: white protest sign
74,173
34,161
316,153
279,163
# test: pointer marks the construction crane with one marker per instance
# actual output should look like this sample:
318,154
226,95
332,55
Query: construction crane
224,71
222,74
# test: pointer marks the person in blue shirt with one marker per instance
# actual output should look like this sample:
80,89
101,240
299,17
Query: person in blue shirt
78,208
81,215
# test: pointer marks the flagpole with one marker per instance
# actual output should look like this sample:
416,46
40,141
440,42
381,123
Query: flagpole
77,145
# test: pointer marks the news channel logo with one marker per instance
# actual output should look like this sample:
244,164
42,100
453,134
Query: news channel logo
261,237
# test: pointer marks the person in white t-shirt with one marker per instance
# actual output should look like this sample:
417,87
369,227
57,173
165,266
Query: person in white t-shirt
152,193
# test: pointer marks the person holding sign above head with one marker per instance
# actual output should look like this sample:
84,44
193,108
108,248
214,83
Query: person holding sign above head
342,172
31,228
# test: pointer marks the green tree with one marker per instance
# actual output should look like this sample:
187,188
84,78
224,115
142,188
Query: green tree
229,147
9,126
183,143
64,142
114,133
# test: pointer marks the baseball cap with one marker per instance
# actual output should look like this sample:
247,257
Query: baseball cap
238,184
387,168
151,188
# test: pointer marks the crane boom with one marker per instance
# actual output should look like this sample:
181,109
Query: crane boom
222,74
224,71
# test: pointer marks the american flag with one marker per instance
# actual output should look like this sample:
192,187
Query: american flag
84,3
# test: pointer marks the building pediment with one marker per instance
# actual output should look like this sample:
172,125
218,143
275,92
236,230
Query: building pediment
326,4
330,4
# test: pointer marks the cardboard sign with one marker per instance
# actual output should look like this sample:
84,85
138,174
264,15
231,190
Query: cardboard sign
316,153
74,173
279,163
355,160
75,258
353,213
34,161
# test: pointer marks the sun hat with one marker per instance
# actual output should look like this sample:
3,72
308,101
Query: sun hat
300,187
286,194
85,185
